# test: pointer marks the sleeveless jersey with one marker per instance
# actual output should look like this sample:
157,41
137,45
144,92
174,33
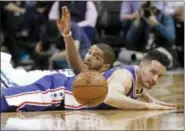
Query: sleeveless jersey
52,92
70,102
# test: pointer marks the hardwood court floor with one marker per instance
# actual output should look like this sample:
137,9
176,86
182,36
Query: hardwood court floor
170,89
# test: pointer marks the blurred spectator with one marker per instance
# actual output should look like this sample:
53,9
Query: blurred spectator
176,10
99,6
150,28
129,9
36,15
27,14
84,13
21,26
11,16
50,51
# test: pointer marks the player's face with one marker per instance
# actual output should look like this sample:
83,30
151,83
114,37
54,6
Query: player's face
94,58
151,73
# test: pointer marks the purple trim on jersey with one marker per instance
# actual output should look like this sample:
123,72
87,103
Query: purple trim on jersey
131,69
52,82
107,74
133,72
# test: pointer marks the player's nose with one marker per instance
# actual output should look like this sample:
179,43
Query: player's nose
89,58
154,80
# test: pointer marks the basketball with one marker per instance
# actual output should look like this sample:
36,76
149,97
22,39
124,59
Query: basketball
90,88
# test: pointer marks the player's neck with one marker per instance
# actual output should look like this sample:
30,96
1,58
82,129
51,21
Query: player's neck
138,87
138,80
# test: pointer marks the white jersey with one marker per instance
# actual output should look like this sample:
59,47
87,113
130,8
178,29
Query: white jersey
12,77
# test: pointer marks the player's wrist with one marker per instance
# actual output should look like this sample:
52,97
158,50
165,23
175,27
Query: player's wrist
147,106
67,34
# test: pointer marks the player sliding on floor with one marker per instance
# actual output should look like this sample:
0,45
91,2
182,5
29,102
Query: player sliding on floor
126,84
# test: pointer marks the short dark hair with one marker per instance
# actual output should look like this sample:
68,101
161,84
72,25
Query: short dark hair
109,54
158,56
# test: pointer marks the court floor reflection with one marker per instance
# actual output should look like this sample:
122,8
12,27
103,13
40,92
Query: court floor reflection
93,120
170,89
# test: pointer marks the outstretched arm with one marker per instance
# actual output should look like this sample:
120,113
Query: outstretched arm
120,100
64,26
116,97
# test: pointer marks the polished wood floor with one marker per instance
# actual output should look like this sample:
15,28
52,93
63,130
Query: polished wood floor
170,89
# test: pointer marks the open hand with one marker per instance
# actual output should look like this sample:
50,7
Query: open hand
163,103
64,24
153,106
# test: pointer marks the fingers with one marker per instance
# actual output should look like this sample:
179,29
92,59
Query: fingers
163,107
58,22
169,108
63,12
168,104
166,107
67,12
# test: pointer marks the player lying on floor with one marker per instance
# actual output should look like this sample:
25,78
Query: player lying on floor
146,75
53,92
126,84
11,76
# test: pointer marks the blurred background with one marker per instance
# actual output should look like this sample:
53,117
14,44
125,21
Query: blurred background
28,30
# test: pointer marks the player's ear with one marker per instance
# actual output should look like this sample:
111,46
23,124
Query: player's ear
105,67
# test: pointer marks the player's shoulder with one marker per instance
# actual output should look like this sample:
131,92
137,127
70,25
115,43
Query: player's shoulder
122,76
122,71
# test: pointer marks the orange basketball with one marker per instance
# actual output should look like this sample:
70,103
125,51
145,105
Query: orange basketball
90,88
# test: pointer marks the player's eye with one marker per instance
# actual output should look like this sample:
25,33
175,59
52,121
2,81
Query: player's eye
97,58
89,52
152,71
161,76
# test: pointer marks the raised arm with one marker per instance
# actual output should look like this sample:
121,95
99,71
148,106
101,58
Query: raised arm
116,97
64,26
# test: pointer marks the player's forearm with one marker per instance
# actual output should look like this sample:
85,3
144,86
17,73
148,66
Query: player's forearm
116,98
73,56
124,102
